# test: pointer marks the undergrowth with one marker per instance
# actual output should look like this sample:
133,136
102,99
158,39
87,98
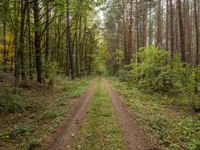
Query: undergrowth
27,118
171,118
100,130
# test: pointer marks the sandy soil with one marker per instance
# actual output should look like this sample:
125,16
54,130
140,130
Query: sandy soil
63,138
132,130
134,136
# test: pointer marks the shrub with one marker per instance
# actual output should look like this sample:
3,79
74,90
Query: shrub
151,70
10,102
34,143
50,71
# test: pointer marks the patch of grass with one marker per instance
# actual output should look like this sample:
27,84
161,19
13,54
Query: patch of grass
99,130
34,143
171,118
34,112
74,89
10,102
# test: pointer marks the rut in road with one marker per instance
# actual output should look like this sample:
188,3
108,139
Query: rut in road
132,131
63,139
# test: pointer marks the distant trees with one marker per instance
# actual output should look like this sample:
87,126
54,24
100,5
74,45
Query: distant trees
165,23
45,33
172,25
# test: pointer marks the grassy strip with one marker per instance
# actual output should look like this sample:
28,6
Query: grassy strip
26,119
177,127
100,130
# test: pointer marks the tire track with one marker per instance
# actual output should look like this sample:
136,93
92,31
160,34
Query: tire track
64,137
132,131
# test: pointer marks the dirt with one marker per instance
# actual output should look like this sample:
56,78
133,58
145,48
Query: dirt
132,130
63,138
133,133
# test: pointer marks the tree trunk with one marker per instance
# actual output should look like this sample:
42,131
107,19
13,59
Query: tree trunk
24,6
159,32
196,22
171,30
37,41
47,32
130,45
137,26
68,42
29,44
167,24
181,31
125,34
17,52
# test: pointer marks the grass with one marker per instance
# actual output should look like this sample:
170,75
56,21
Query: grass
26,119
171,118
99,130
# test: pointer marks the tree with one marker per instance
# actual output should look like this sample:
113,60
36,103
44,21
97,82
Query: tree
181,31
24,6
68,41
37,40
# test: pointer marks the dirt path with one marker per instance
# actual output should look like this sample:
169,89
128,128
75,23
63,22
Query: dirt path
132,130
63,138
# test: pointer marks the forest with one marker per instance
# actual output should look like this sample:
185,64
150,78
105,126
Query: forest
99,74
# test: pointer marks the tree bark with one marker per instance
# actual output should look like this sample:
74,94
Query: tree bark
159,32
47,32
167,24
130,48
181,31
68,42
171,30
24,6
38,53
29,44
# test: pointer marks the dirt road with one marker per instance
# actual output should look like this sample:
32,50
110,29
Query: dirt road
63,138
132,131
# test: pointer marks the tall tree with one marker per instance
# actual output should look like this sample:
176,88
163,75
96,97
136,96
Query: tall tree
38,54
167,25
181,30
47,31
130,45
30,53
159,32
24,6
69,50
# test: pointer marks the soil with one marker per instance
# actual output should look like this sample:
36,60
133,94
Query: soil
63,138
132,130
133,133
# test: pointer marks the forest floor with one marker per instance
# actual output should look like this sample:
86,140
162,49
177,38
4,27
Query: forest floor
170,117
89,115
36,111
108,125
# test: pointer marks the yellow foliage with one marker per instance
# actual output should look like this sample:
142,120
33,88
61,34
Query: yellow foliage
9,48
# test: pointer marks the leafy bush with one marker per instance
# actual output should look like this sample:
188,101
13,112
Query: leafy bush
125,75
151,70
50,71
11,103
34,143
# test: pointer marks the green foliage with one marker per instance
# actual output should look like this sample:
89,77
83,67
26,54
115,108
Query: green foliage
100,129
50,71
152,71
10,102
169,117
74,89
117,61
194,145
99,59
34,143
125,75
17,131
